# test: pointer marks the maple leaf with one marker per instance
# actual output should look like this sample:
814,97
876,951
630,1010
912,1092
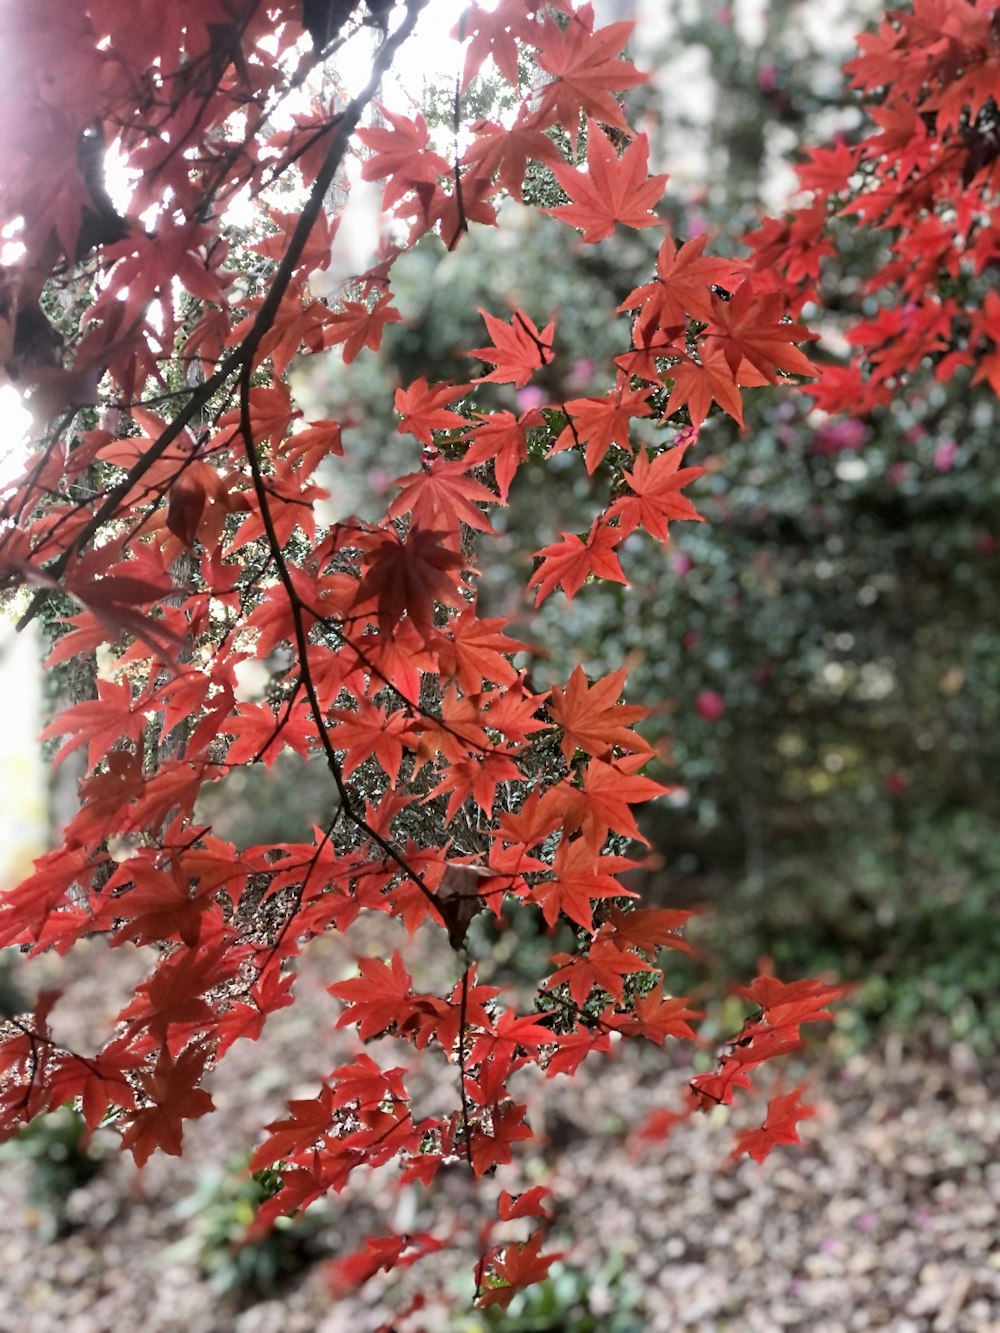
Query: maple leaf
604,965
518,1266
502,438
409,577
368,732
378,999
749,327
507,1038
173,1098
499,151
656,485
517,351
602,806
529,1204
710,379
579,878
401,153
614,189
492,34
600,422
683,289
591,717
443,496
780,1126
574,1047
477,776
492,1148
586,71
787,1004
99,724
571,561
422,407
357,325
378,1253
656,1017
648,928
100,1082
475,651
310,1121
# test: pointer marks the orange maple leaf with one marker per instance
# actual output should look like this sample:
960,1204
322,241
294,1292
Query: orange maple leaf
601,422
656,485
592,718
518,350
614,189
572,561
423,409
357,326
749,327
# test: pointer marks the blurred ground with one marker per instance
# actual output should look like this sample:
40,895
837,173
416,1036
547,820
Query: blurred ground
886,1219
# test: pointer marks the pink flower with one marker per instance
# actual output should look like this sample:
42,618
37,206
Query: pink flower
529,397
767,79
945,455
847,435
710,705
898,473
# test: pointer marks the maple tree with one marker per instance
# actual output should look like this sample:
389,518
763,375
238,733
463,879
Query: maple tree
172,498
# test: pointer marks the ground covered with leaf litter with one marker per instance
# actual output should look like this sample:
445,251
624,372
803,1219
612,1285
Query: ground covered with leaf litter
887,1218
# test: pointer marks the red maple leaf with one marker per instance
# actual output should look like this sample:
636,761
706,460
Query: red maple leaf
656,1016
357,325
505,153
604,965
571,561
402,153
601,422
502,438
592,718
780,1126
683,290
579,878
173,1097
476,651
656,493
710,379
602,806
749,327
518,1266
422,407
442,496
614,189
101,723
587,70
378,999
518,349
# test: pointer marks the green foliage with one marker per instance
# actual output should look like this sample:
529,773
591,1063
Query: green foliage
61,1158
568,1301
219,1213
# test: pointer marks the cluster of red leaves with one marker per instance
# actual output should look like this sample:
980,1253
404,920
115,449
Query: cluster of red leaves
926,184
181,523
